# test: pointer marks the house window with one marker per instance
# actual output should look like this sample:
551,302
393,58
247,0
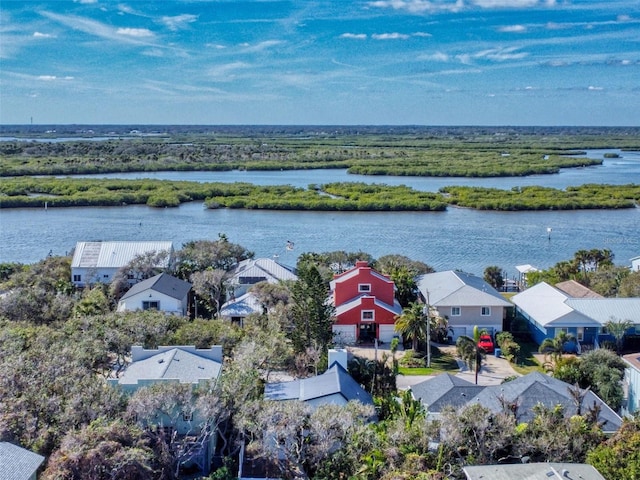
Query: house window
580,334
364,287
105,276
486,311
187,417
367,315
455,311
77,278
151,305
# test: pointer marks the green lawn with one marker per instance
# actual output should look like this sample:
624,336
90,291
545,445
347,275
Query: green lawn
527,363
440,362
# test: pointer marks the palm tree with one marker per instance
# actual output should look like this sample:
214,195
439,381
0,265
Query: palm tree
412,324
554,347
618,328
469,351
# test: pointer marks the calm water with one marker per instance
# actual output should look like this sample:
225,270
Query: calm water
456,239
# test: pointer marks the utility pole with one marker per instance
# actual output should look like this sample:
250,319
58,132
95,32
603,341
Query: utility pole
427,311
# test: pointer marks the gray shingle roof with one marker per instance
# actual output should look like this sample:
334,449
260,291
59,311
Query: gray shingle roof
461,289
172,364
335,380
17,463
528,390
163,283
445,390
532,471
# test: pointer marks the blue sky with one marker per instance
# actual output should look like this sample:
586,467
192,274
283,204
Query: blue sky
380,62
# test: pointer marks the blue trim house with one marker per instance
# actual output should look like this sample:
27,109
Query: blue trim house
550,311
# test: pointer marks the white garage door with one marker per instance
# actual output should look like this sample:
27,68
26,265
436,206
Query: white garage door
386,333
456,332
344,334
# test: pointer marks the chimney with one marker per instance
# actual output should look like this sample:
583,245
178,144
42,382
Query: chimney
338,355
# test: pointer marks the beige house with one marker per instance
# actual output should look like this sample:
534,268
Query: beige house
465,301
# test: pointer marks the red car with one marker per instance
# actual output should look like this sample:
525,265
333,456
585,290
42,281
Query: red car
486,343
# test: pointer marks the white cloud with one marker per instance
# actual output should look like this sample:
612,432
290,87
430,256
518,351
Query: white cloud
421,34
52,78
513,29
227,71
42,35
356,36
501,54
419,6
509,3
389,36
591,87
136,36
86,2
436,57
258,47
178,22
135,32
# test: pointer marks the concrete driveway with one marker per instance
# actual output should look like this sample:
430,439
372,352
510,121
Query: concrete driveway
494,369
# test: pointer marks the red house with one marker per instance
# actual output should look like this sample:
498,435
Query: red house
365,305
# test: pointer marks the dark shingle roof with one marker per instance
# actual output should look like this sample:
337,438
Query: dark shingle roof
17,463
444,390
163,283
528,391
334,381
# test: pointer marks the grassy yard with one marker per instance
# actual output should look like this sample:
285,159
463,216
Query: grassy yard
440,362
527,362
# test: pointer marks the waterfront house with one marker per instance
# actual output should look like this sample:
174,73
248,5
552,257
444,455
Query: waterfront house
549,311
17,463
635,264
252,271
98,262
465,301
525,392
632,383
163,292
365,305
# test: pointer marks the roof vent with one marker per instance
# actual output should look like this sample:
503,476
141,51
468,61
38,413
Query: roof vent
161,360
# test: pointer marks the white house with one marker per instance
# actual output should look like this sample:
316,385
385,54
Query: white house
162,292
632,383
98,262
635,264
252,271
465,300
237,309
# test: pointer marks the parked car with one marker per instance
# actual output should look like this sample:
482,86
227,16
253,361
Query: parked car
486,343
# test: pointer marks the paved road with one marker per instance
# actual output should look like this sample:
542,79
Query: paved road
494,370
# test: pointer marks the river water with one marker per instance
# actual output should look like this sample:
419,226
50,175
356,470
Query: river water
462,239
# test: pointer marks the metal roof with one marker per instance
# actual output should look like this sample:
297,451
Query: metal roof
547,306
532,471
335,380
266,268
163,283
242,306
114,254
459,289
17,463
172,364
604,309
